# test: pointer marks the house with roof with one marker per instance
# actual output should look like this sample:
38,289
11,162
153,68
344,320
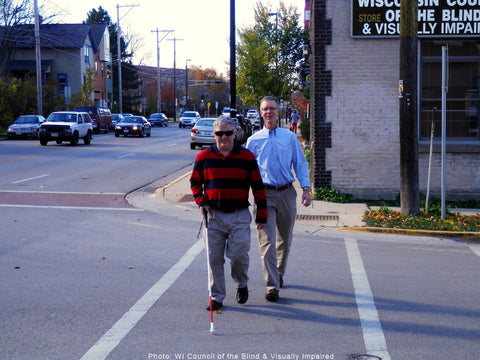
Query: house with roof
67,51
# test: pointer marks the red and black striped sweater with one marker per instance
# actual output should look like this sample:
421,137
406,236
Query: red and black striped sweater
223,182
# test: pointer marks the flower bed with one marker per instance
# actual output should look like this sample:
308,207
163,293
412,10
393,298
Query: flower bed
387,218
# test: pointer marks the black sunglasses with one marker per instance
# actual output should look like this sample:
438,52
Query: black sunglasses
221,133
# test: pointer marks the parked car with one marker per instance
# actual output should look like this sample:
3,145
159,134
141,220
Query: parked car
133,125
202,133
66,126
258,123
228,112
115,119
25,126
159,119
101,117
244,129
189,118
252,114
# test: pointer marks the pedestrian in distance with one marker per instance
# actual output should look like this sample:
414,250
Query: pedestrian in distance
294,118
222,177
278,151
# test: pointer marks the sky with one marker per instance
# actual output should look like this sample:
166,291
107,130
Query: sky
202,25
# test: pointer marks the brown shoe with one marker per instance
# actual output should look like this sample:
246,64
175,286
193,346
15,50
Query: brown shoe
272,295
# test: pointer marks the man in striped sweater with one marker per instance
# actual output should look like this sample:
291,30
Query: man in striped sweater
220,182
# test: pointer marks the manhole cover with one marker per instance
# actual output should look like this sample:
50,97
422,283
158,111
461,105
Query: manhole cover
363,357
186,198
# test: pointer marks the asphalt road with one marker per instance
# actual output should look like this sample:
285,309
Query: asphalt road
86,275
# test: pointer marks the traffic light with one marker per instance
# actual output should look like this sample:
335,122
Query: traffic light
202,99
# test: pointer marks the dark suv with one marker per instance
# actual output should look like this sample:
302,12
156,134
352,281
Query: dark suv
101,117
159,119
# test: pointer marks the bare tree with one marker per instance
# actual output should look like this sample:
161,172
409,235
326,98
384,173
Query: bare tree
12,14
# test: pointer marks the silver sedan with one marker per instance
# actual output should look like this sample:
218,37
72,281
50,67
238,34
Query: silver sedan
202,133
25,126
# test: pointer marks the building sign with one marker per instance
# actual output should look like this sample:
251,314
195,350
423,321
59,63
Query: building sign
436,18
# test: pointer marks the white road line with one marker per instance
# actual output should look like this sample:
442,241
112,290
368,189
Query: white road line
373,336
32,178
475,249
127,322
126,155
69,207
61,192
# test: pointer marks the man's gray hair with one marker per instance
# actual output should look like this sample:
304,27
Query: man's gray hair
269,98
223,121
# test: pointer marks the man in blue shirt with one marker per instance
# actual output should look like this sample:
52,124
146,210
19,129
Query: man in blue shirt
278,151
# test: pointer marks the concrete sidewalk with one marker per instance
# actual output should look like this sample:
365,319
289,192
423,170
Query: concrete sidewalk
320,213
158,197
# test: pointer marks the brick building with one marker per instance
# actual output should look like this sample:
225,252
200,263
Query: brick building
354,109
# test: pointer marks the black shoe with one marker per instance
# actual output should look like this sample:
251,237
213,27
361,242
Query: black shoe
281,281
242,295
272,295
215,306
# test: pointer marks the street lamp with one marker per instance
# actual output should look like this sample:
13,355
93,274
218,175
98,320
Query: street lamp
186,83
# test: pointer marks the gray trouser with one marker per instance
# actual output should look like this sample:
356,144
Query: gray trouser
275,239
228,235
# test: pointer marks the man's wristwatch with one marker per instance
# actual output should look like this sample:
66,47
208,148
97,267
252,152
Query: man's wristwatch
306,189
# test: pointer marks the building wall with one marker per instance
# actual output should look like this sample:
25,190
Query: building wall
363,113
64,61
67,61
363,109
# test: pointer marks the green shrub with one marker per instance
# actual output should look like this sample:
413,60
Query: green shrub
304,128
332,195
307,156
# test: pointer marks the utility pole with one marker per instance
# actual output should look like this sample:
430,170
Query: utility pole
159,93
38,61
174,78
233,65
186,83
409,179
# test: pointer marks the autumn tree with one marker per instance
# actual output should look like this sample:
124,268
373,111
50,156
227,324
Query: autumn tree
269,55
210,85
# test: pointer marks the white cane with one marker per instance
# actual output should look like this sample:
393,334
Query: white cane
205,232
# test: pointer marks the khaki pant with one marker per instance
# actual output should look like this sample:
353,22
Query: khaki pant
275,239
228,235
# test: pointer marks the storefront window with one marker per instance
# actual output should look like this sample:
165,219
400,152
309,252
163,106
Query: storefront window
463,96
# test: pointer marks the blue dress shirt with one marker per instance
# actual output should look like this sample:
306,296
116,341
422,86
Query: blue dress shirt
277,152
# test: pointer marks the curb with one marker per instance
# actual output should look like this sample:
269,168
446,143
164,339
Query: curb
471,236
161,190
